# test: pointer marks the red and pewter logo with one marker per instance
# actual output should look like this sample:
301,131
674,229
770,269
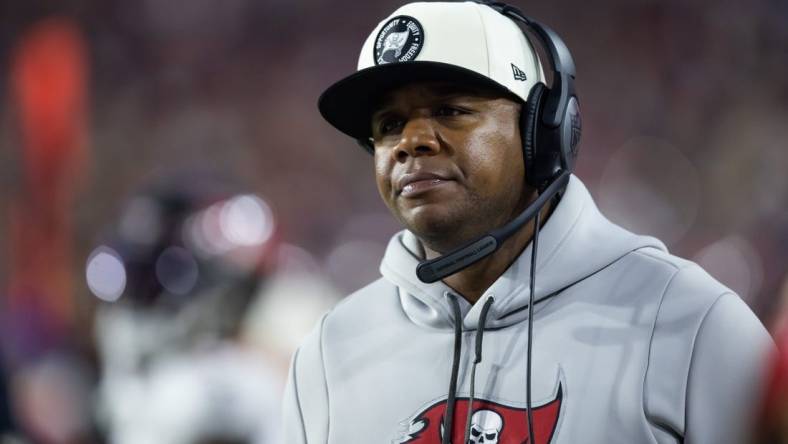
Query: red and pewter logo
491,422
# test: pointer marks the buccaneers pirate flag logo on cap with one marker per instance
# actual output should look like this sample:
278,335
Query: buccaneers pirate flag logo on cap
399,40
491,422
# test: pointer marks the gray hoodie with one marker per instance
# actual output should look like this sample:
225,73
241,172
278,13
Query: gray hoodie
631,345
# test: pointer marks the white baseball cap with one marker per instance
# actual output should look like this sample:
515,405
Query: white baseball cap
465,42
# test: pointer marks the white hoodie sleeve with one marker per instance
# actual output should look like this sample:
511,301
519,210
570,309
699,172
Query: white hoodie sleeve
305,404
726,374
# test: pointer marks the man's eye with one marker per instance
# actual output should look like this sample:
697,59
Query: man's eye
390,125
449,111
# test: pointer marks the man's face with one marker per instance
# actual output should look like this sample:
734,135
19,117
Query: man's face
448,161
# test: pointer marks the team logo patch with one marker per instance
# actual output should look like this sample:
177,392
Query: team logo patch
491,422
399,40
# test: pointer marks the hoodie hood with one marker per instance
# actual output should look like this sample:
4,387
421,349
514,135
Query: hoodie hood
574,243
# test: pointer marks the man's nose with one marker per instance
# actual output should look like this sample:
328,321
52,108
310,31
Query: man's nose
418,138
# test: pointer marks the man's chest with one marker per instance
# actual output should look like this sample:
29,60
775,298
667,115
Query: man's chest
587,383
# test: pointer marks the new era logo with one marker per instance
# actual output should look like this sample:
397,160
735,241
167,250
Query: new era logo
518,73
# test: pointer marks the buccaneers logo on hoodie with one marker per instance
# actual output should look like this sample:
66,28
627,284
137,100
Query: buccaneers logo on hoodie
491,422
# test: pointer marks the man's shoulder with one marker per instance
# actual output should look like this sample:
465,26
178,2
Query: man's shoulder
691,297
685,279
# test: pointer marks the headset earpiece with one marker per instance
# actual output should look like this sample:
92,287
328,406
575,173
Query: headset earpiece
529,123
541,143
569,135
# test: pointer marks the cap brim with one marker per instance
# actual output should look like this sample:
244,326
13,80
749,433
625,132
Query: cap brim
349,103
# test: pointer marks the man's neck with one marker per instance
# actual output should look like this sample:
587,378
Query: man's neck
472,282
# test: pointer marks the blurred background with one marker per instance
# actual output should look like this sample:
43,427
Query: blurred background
124,122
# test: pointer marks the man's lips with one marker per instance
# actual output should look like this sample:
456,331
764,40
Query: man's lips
411,184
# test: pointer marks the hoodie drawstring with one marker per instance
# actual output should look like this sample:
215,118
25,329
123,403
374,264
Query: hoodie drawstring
448,420
477,359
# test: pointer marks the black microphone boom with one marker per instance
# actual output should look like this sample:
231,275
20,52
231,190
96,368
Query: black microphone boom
436,269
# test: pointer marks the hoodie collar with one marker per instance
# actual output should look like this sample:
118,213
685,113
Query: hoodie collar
574,243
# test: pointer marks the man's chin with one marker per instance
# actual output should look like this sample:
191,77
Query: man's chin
439,232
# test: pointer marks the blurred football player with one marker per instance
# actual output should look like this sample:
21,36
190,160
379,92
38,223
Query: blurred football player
178,271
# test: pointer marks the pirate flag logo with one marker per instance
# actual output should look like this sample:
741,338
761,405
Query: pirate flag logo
399,40
491,422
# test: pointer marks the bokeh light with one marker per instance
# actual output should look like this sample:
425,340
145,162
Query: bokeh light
246,221
105,274
734,262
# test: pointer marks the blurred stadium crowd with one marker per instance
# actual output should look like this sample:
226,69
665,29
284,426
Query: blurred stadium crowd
124,122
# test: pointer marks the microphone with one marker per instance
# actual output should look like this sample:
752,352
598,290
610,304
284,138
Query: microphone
438,268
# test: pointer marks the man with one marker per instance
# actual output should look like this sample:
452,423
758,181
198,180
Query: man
629,344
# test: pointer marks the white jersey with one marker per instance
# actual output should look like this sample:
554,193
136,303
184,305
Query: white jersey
631,345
